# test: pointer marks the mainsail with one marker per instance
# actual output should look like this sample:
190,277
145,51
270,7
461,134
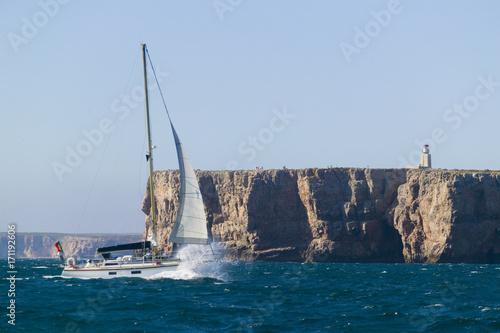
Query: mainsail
190,225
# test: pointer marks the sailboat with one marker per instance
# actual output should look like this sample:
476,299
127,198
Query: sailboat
190,226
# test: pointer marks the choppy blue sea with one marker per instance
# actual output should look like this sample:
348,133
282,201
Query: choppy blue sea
259,297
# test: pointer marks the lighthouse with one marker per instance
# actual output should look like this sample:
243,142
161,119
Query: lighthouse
425,158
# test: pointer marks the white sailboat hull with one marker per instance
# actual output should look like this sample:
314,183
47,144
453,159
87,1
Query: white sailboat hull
132,270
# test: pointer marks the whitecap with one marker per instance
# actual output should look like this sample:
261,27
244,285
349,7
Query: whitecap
194,269
178,274
197,252
40,267
434,305
198,262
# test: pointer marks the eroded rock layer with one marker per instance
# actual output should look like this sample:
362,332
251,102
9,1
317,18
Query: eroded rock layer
344,214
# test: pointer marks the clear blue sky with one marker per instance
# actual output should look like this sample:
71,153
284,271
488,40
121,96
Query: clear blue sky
248,83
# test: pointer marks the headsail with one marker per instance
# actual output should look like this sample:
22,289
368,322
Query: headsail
191,224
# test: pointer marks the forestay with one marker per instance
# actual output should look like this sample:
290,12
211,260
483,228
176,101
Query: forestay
190,225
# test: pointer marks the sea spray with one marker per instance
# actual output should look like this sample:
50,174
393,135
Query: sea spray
198,261
201,252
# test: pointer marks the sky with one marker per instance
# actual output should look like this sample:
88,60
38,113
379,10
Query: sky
261,83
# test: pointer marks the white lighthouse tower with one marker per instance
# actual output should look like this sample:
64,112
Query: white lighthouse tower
425,158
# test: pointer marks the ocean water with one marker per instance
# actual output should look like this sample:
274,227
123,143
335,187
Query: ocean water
259,297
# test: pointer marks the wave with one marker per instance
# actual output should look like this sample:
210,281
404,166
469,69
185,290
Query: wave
198,261
195,269
181,273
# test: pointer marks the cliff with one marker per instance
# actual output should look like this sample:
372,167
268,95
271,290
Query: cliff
344,214
41,245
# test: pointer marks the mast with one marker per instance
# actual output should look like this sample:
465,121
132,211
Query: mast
150,153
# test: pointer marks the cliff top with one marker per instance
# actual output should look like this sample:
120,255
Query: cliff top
351,168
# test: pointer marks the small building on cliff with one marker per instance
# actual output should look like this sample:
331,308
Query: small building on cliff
425,160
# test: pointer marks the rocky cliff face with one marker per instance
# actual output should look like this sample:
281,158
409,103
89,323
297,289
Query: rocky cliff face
39,245
447,216
344,214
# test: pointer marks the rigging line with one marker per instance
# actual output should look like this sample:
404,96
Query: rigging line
158,84
133,72
105,149
145,139
92,187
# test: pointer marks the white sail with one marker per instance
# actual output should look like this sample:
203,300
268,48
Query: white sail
190,225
